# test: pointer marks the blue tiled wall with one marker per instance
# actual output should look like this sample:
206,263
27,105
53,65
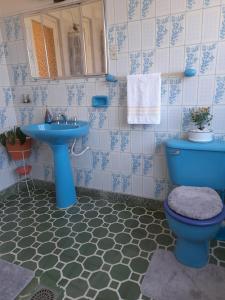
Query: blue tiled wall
7,116
149,36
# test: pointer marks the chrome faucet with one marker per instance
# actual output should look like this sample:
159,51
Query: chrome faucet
61,118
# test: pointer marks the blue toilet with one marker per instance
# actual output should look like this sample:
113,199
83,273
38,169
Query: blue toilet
194,209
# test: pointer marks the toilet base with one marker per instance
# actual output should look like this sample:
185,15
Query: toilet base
194,255
221,234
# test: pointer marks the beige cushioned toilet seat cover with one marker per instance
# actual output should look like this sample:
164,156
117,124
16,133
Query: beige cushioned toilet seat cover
200,203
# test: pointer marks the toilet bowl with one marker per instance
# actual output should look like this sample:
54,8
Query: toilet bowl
193,236
195,165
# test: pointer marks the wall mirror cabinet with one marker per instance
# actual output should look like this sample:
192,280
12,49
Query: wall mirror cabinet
67,41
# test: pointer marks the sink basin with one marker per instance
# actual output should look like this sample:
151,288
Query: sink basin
58,136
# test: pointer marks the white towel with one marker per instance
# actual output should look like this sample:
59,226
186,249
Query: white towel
144,98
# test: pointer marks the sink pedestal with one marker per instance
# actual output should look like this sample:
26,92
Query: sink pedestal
58,136
65,188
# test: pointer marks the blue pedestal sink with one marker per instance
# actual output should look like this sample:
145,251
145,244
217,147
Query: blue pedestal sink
58,136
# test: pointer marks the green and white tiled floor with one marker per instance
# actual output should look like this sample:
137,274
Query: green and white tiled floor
94,250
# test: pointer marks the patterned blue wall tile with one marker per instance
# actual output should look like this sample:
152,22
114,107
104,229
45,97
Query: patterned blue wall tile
136,161
39,95
3,52
206,3
4,163
147,165
126,183
111,36
24,73
95,159
20,74
121,37
88,177
3,117
80,93
208,57
114,140
104,160
146,7
177,29
15,74
160,138
13,28
219,138
132,9
35,94
70,94
112,92
102,119
186,119
116,182
135,62
125,141
164,91
48,172
148,61
222,25
193,4
122,92
9,95
44,95
219,96
175,91
79,177
160,188
92,118
162,31
36,152
192,57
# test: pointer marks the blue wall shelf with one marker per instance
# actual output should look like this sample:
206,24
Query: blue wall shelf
100,101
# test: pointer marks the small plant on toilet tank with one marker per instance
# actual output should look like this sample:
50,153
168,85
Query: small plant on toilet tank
202,118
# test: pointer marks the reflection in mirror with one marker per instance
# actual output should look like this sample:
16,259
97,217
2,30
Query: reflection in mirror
68,41
69,26
93,35
51,35
36,47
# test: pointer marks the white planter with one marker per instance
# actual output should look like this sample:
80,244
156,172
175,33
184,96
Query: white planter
200,136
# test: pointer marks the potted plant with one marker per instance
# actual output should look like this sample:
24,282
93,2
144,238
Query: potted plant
202,118
17,143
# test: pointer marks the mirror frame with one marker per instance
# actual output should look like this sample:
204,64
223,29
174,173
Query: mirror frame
60,6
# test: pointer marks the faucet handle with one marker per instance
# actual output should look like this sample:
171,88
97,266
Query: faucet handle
57,118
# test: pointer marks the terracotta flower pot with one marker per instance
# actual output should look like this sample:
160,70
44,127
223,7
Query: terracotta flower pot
18,151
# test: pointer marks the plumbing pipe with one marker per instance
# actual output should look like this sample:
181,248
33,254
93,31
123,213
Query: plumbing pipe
72,151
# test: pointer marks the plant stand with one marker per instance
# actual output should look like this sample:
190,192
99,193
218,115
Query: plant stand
24,172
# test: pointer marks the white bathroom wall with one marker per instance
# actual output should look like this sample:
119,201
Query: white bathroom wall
7,116
149,36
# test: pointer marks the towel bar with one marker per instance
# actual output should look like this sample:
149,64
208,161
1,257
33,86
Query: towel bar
186,73
174,74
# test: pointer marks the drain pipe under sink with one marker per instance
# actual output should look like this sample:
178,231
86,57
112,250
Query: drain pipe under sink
72,150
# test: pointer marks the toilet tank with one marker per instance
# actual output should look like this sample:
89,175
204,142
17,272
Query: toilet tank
196,164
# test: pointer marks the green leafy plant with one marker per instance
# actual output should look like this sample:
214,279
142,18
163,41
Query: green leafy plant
201,117
10,137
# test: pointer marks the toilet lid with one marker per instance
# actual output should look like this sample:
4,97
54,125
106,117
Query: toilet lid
200,203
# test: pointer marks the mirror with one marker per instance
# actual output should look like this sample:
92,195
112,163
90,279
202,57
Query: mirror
68,41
